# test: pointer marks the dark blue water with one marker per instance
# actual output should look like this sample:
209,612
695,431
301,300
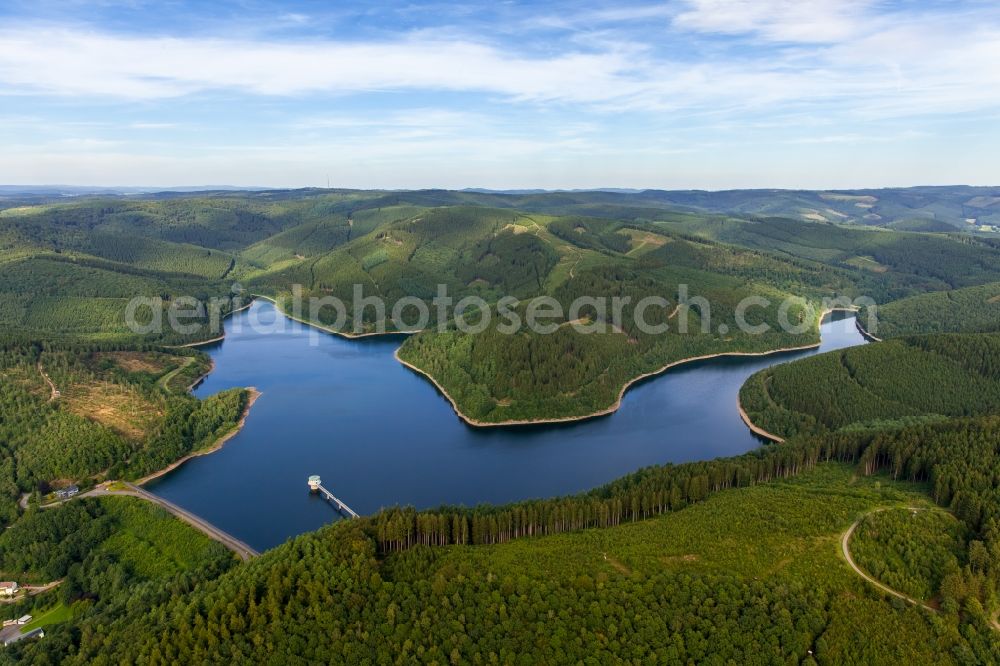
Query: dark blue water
381,435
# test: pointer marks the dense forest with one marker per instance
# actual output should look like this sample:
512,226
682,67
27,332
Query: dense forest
915,551
89,412
969,310
904,380
733,560
490,253
886,266
495,376
100,552
702,583
407,242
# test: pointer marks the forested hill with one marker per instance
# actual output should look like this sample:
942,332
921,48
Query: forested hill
920,378
728,561
735,559
907,209
70,267
497,377
70,270
584,374
912,398
968,310
88,413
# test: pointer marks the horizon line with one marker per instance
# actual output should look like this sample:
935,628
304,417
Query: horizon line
6,188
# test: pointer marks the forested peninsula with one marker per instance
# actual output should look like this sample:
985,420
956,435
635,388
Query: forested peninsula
890,449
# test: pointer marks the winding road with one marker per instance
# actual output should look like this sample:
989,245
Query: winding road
994,619
164,381
844,546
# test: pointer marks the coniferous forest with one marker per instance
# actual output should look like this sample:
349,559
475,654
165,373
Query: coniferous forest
116,414
732,560
368,334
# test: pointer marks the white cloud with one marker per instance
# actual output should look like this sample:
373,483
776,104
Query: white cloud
812,77
436,118
597,19
913,66
860,138
810,21
74,62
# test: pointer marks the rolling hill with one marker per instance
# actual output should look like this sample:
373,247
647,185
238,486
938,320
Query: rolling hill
70,269
920,378
730,560
89,413
968,310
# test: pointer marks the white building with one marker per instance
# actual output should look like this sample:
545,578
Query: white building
8,588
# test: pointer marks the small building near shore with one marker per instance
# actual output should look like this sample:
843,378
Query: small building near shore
67,492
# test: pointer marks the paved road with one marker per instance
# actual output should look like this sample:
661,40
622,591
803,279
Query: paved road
211,531
7,633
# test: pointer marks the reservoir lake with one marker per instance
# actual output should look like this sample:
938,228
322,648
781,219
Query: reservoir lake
380,435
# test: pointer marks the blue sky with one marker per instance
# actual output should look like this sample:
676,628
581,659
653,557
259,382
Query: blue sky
684,94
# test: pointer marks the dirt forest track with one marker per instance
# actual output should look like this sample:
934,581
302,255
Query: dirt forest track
845,548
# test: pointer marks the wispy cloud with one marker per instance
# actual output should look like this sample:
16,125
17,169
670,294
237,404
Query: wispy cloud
449,86
899,70
779,20
859,138
151,126
71,61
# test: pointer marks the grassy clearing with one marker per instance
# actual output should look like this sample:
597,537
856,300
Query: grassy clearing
642,241
58,613
152,363
123,409
867,263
